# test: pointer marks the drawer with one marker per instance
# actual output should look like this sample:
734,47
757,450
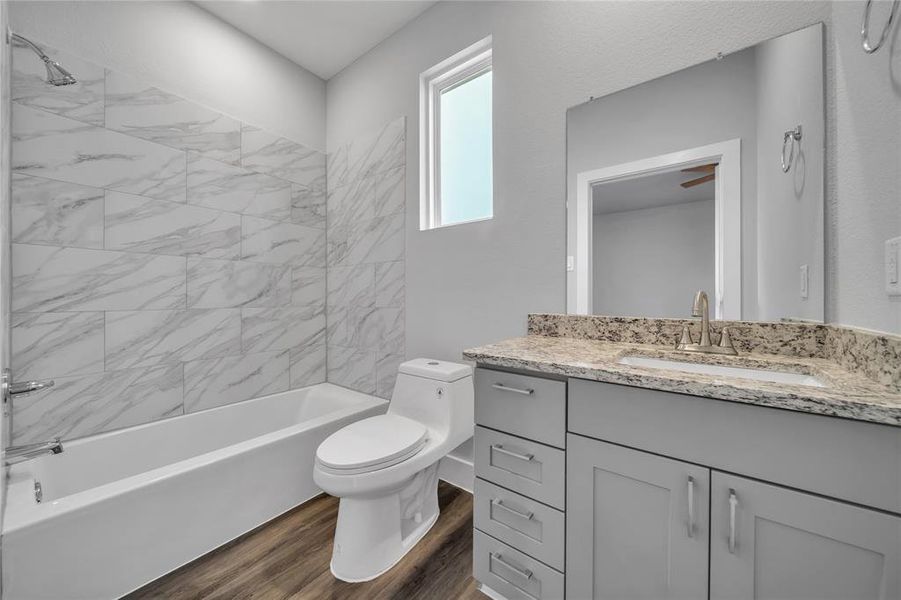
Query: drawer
530,407
808,452
511,573
524,466
525,524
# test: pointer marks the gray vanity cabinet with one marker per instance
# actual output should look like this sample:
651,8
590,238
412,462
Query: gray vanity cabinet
771,542
637,524
665,496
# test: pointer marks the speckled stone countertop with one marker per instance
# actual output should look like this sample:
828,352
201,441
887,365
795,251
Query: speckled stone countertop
851,391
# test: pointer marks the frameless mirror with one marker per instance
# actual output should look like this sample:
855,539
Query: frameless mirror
708,178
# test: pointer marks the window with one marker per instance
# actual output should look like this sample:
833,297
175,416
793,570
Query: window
456,139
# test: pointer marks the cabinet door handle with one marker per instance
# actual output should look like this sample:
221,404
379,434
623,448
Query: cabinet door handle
733,505
505,388
524,573
523,515
502,450
691,506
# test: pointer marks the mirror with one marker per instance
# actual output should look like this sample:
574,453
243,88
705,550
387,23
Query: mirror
708,178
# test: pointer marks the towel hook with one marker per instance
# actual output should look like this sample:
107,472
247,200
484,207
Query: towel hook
864,28
788,139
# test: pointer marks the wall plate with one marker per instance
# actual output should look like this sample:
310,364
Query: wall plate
892,275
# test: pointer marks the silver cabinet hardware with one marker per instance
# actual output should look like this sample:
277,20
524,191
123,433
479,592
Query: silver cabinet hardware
869,47
691,506
505,388
523,515
733,504
524,573
502,450
28,387
788,141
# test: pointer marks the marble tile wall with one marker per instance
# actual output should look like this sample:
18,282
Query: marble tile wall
166,257
365,291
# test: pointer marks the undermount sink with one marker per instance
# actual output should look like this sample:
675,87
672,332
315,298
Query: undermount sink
723,371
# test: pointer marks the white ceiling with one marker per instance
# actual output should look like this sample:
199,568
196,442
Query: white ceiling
322,36
651,191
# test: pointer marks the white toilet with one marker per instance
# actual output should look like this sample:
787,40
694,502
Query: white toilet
385,468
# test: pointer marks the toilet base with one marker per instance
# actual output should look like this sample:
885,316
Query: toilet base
374,532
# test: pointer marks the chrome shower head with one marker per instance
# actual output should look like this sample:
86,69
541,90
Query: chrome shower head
56,75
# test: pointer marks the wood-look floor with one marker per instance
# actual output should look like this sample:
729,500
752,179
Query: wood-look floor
289,558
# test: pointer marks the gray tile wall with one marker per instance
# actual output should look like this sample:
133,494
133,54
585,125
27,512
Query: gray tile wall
167,258
365,210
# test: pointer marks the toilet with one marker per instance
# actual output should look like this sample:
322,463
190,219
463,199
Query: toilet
384,469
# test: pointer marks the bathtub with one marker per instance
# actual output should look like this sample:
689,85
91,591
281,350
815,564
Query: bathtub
120,509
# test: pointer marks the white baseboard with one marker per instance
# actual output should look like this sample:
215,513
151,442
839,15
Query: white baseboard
457,472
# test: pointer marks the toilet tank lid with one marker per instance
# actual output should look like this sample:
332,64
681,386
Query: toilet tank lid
440,370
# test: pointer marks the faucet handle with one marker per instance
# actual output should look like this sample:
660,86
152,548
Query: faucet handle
726,338
684,338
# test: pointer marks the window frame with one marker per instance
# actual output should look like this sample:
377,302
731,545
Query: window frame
457,70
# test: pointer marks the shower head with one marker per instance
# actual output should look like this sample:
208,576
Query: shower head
56,74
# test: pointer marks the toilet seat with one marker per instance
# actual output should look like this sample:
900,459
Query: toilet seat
371,444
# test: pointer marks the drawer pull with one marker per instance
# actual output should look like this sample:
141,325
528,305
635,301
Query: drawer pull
502,450
523,515
524,573
733,504
505,388
691,506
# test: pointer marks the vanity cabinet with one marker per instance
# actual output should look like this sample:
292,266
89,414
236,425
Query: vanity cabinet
637,524
520,489
770,542
669,496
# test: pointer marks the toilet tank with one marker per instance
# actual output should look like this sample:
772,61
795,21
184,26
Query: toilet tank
437,393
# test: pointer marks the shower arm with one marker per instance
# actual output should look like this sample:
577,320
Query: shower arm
15,37
56,74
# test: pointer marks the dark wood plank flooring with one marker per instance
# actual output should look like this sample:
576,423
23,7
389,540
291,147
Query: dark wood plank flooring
289,558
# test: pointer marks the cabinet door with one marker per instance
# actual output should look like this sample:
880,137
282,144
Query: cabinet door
628,515
773,543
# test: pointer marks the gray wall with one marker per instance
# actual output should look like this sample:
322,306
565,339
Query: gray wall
709,103
184,50
864,181
4,229
167,257
475,283
650,262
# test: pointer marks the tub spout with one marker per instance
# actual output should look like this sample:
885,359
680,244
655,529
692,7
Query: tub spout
17,454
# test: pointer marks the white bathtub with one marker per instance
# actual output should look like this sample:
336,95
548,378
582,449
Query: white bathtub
121,509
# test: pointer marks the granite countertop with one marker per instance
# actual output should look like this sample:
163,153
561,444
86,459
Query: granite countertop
848,394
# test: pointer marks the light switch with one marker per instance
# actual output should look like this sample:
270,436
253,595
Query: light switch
892,283
805,279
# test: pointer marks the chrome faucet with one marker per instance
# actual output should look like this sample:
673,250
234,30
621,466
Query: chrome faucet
17,454
701,308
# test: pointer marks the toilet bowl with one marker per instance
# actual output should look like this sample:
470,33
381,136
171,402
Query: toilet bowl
384,469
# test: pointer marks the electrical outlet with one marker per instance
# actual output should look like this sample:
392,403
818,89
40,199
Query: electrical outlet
892,281
805,280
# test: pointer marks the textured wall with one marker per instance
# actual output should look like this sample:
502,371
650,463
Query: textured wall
166,257
4,231
179,47
475,283
865,178
366,259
